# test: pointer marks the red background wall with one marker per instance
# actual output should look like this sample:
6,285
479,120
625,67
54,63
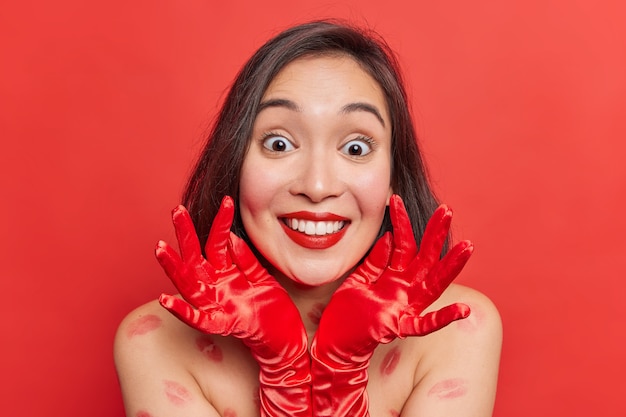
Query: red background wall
520,106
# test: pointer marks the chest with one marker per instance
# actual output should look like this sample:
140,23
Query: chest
228,376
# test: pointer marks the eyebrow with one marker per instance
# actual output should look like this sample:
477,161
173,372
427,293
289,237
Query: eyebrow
348,108
279,102
359,106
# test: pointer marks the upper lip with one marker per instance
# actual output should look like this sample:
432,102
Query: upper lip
313,216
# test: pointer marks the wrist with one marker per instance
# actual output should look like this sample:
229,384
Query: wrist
285,385
338,384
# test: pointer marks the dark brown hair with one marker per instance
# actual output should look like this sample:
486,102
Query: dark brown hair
217,171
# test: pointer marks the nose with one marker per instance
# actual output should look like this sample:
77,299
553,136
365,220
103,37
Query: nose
318,178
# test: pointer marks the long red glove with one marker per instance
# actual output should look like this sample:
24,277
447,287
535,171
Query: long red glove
230,293
382,300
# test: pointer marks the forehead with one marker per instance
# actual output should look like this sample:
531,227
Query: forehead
330,77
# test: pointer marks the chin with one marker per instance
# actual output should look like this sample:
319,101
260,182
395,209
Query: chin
312,277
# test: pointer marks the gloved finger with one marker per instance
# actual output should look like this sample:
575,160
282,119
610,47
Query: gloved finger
409,325
244,259
446,270
207,321
216,248
405,247
435,235
375,262
175,268
186,235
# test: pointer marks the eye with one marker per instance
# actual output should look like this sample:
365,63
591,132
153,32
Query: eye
358,147
276,143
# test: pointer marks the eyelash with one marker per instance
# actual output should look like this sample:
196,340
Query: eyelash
270,134
363,138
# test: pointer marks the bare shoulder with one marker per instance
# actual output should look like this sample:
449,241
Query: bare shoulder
484,317
479,334
458,368
151,365
166,367
148,330
149,339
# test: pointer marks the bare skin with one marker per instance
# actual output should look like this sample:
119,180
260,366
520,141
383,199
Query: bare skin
316,109
172,369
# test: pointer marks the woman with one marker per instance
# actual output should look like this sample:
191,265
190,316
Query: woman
305,307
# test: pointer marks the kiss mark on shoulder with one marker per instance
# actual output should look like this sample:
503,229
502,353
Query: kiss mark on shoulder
142,413
143,325
471,323
449,389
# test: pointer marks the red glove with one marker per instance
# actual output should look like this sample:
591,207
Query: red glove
230,293
382,300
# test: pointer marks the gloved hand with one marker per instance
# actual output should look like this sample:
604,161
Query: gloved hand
381,300
230,293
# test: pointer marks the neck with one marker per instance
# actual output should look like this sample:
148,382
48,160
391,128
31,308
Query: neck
310,300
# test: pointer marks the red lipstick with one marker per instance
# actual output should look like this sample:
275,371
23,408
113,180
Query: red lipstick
313,241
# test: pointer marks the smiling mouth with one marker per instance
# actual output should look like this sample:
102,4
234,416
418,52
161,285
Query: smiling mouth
314,228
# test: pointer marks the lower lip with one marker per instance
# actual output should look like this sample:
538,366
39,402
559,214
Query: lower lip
314,241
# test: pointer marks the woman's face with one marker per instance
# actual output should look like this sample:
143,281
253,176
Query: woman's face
316,178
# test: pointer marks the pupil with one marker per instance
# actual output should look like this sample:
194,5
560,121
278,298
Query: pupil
355,150
279,145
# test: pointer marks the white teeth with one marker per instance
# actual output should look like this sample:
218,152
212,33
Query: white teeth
315,228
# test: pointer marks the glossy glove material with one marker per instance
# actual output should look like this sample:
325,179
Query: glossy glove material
383,299
230,293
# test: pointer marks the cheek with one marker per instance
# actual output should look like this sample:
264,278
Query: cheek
373,180
373,193
256,188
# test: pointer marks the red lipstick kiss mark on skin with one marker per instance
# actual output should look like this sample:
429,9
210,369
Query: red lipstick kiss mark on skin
229,412
209,348
390,362
142,414
143,325
472,322
316,313
176,393
394,413
449,388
